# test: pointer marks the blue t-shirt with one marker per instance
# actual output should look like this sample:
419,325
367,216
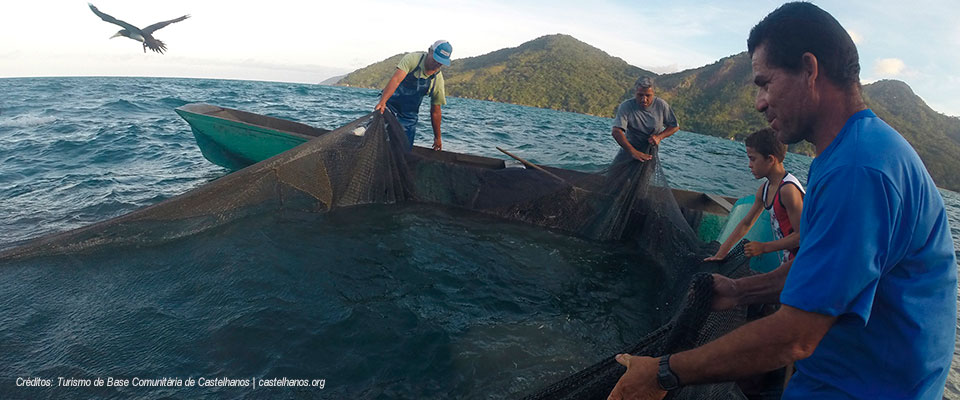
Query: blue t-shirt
875,252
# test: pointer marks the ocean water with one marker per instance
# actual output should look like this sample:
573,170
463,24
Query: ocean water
409,301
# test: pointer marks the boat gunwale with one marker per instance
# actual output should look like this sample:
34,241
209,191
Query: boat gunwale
686,198
234,120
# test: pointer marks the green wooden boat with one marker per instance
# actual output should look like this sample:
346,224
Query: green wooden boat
236,139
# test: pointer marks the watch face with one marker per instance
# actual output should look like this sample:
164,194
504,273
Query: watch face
665,377
667,382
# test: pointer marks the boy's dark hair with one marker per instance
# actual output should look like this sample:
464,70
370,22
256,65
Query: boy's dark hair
766,143
799,27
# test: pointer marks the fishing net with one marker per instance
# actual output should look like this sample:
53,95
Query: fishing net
694,324
364,162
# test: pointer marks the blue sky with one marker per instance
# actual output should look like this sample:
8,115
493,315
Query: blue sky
296,41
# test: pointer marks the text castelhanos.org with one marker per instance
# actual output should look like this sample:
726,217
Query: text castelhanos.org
171,382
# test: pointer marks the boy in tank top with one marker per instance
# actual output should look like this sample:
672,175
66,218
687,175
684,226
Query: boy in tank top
781,194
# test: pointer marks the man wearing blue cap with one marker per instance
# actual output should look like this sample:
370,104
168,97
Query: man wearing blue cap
417,75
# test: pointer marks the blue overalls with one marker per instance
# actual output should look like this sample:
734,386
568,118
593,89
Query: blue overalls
405,102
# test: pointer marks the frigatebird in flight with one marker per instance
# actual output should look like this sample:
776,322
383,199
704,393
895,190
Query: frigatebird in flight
144,35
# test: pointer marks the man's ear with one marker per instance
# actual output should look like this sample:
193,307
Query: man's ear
810,66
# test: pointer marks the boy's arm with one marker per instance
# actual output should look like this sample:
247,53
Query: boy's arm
742,228
793,202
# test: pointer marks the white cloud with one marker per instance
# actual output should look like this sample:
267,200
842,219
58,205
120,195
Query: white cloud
662,69
857,38
889,67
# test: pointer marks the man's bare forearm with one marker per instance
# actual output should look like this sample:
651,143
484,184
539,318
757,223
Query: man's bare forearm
667,132
760,346
435,120
763,288
621,139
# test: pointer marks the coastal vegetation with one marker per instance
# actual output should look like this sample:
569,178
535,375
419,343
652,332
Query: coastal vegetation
562,73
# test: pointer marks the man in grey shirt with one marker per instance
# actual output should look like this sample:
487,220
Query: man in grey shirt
642,121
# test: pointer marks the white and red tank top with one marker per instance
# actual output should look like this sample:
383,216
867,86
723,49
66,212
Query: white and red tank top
778,213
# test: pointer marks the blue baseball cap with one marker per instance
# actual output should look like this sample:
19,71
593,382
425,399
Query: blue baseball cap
441,50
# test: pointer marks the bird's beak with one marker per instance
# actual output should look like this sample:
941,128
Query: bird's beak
116,35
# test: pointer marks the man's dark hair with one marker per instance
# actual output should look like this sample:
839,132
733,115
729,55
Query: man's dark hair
766,143
643,82
799,27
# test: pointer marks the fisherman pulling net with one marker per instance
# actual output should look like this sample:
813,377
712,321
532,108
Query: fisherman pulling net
365,162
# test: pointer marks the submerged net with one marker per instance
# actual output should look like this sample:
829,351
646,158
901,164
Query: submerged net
694,324
359,163
364,162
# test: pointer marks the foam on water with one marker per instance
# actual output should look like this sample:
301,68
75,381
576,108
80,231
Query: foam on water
26,121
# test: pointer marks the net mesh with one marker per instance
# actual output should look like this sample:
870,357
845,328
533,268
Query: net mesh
694,324
360,163
364,162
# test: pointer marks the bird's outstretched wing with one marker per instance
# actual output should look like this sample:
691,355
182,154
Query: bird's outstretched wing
112,20
148,30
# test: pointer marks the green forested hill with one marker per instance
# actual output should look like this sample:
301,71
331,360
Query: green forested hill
717,99
563,73
935,136
556,71
374,76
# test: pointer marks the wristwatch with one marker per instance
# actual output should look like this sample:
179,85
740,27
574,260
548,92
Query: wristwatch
665,377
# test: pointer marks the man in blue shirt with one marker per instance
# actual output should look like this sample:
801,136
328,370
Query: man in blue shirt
869,303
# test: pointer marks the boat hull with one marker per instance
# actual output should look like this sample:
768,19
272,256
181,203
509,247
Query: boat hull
226,139
236,139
